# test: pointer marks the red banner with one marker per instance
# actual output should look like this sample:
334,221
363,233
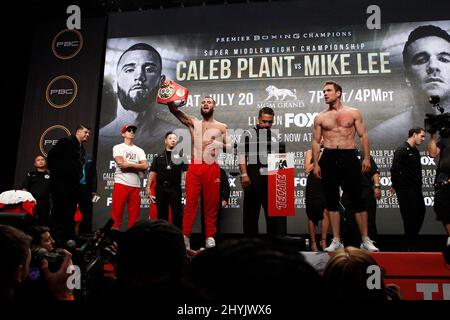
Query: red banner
420,275
281,193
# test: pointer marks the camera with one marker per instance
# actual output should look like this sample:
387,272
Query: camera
54,259
96,251
437,123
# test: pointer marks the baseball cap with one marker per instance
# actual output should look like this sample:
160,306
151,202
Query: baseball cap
128,126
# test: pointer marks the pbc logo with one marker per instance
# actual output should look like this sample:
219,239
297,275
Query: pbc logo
67,43
51,136
61,91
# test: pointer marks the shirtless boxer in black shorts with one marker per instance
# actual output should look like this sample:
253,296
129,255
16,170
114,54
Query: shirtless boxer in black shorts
339,165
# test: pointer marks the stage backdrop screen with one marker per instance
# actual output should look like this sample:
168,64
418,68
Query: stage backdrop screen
258,62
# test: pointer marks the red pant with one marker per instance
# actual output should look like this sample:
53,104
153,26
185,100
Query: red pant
121,195
206,178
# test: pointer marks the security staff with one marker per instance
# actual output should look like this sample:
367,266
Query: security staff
406,177
254,178
167,168
37,182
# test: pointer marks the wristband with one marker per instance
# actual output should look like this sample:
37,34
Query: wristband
244,175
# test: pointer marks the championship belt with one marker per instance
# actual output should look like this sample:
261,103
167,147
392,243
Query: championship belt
171,91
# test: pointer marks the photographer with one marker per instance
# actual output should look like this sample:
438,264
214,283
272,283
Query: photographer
48,268
441,148
41,238
15,249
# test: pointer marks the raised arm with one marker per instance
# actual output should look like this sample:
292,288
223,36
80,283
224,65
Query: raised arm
188,121
362,133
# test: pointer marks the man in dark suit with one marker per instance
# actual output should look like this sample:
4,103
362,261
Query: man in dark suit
65,162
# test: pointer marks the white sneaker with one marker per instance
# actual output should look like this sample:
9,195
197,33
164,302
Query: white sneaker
335,245
367,245
210,243
187,243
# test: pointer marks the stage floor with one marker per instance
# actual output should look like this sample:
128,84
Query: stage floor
385,242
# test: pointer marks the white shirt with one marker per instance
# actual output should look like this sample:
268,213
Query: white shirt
132,154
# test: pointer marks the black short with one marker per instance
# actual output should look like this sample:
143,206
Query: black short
341,168
442,203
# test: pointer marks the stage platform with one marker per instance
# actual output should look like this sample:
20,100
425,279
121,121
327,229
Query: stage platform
420,275
385,242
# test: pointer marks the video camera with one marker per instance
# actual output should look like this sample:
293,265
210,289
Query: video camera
96,251
54,259
437,123
98,247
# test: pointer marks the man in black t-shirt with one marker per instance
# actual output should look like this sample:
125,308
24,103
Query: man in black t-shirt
37,183
406,177
256,146
167,168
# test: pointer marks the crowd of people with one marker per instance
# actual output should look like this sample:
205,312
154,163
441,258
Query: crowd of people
152,265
